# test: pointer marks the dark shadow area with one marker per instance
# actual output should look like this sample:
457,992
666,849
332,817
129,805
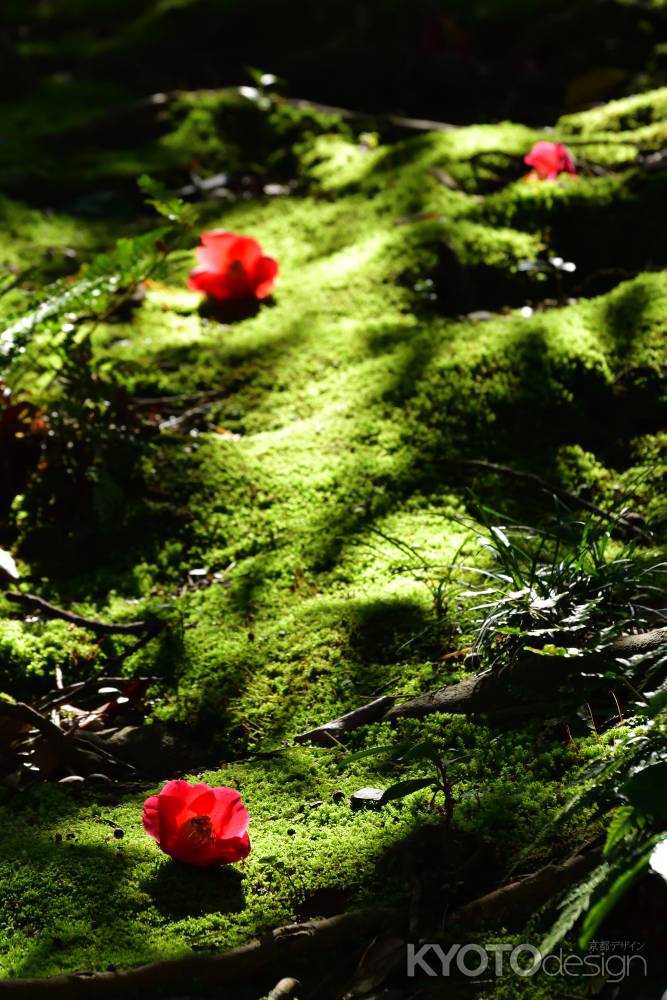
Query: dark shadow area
454,60
181,891
378,628
233,311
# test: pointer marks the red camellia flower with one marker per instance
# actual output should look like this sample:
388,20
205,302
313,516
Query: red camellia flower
549,159
232,267
198,824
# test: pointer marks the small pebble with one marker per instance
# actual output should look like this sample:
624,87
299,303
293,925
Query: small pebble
99,779
366,798
311,805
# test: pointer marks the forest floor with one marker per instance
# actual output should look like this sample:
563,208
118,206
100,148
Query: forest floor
292,494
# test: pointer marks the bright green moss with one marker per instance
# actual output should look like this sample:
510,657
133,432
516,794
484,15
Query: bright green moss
31,652
618,116
320,483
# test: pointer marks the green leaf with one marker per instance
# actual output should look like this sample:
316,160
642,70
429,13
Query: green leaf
604,906
646,790
500,535
163,201
621,824
575,903
403,788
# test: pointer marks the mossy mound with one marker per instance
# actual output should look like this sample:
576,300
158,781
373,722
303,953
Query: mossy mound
409,330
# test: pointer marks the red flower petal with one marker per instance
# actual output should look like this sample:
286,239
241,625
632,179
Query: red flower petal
550,159
219,249
232,267
228,851
209,282
229,813
265,274
197,824
151,818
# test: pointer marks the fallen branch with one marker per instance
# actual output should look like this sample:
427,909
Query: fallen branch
72,693
32,603
329,734
72,748
527,687
280,945
20,713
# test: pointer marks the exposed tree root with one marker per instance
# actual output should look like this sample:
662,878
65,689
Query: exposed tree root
285,943
511,905
514,903
329,734
286,989
529,686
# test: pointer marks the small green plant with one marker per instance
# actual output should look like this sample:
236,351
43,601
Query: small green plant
568,588
405,754
86,461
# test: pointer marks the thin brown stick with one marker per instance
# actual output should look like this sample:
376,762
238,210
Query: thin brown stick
33,603
19,712
576,501
398,121
73,692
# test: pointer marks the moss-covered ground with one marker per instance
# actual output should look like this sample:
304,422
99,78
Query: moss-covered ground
405,332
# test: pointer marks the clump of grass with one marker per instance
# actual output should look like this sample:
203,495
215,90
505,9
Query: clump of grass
570,585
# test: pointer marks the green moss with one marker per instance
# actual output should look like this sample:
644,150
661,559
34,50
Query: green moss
618,116
30,652
319,484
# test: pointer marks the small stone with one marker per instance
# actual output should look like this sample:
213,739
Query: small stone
291,832
479,315
311,805
118,833
99,779
71,779
337,796
366,798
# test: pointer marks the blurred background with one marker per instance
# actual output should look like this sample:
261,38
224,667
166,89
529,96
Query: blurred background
458,60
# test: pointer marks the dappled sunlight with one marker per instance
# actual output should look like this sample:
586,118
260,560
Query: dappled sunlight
333,478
